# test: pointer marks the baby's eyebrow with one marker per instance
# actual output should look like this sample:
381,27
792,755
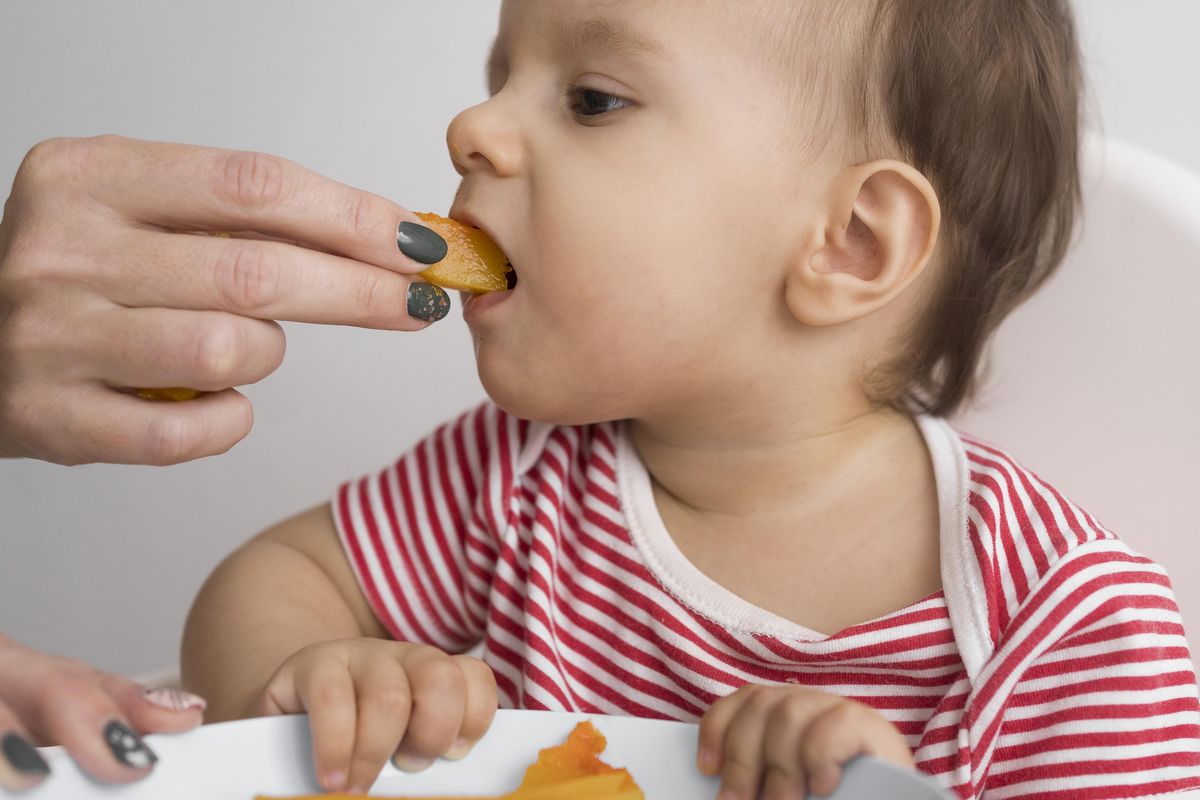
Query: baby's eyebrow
609,34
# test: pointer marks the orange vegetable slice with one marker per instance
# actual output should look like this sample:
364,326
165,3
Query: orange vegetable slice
569,771
473,262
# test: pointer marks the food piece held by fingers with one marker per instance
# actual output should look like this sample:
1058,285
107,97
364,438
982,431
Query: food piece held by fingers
473,263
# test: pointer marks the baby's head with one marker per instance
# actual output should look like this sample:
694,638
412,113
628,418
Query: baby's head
784,206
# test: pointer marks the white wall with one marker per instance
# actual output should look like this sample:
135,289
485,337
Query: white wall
101,562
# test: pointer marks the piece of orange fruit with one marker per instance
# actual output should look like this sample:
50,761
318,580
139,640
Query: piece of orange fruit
473,262
569,771
172,394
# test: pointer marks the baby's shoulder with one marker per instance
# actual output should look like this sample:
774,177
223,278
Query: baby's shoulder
1027,534
1015,509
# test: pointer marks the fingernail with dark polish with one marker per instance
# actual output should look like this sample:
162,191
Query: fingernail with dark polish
23,756
127,747
427,302
420,243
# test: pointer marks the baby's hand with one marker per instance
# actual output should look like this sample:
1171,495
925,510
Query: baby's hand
784,740
369,700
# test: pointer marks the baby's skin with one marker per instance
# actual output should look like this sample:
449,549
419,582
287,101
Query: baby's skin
686,264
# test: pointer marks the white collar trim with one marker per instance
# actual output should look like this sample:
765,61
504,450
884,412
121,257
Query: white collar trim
961,581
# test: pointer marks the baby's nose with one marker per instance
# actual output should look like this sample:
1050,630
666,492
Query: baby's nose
486,137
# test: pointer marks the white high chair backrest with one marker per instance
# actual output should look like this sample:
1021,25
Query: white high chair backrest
1094,383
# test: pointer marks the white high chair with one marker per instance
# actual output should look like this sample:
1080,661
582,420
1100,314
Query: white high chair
1094,383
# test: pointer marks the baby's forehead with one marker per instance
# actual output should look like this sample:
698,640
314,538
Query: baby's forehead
795,41
665,30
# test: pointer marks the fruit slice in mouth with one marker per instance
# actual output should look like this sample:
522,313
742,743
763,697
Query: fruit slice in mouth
473,262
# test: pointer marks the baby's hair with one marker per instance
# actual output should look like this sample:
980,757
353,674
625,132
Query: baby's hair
984,98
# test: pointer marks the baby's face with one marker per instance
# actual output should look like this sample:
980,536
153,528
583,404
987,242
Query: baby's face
632,161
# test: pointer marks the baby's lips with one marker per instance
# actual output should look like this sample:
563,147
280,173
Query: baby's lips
473,262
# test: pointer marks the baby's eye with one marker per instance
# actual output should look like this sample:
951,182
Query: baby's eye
593,102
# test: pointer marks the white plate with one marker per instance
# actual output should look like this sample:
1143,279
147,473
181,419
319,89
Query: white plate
237,760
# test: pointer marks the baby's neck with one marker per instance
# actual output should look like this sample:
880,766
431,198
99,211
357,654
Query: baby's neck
746,465
827,521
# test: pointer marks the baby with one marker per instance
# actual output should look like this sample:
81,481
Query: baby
759,248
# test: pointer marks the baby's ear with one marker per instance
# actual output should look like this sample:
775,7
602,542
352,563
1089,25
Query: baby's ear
880,227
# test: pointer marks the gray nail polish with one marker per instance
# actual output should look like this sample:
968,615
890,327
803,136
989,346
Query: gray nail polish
420,243
23,756
127,747
427,302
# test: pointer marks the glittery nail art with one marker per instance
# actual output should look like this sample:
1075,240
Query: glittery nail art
175,699
427,302
127,747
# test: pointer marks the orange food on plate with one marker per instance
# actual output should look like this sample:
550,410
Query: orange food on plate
569,771
175,394
473,262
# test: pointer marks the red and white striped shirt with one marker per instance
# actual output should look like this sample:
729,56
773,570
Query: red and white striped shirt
1053,663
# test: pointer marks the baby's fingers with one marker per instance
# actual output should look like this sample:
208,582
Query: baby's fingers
839,734
742,761
480,705
325,689
384,708
439,695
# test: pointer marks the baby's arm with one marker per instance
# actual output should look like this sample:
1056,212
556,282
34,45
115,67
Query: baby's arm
281,627
287,588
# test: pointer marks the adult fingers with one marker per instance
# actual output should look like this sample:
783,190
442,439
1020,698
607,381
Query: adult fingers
384,707
88,723
21,766
154,710
254,278
188,187
101,424
480,706
206,350
439,695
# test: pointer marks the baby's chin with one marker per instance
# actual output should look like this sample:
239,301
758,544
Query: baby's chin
552,402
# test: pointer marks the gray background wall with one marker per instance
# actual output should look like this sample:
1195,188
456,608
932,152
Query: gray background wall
101,562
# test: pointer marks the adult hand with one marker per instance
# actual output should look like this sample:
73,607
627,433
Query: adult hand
95,716
100,291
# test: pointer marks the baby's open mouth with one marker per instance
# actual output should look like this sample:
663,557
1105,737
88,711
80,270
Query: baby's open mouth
510,275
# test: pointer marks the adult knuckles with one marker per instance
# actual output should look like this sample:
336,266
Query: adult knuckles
218,348
171,439
249,182
247,275
380,295
67,158
49,159
72,695
364,213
